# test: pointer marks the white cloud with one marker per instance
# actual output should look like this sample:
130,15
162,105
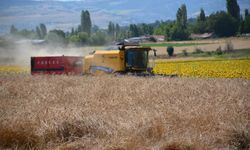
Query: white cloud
195,14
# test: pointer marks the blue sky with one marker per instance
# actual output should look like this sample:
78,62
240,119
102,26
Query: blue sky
64,14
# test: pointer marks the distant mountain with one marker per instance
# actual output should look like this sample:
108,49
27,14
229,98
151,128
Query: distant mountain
65,14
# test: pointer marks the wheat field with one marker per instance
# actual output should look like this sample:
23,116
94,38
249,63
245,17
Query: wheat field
108,112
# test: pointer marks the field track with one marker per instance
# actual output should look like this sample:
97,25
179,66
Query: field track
212,45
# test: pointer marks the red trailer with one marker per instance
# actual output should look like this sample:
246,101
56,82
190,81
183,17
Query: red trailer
57,65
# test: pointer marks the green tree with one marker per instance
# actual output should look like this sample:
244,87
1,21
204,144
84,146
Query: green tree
117,31
43,30
111,29
150,30
181,17
247,24
223,24
78,29
233,9
241,27
13,29
124,33
83,36
59,32
27,34
82,20
117,28
165,29
202,16
95,29
38,32
72,31
146,29
246,12
98,38
170,50
75,39
134,30
179,31
201,24
56,38
86,23
200,27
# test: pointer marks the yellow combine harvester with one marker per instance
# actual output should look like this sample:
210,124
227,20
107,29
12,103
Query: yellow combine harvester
129,58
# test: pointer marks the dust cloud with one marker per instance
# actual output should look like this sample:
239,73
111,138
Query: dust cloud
20,53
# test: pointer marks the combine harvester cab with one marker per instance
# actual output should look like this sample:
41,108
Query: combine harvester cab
56,65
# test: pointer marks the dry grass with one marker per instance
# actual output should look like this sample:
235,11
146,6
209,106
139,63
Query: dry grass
68,112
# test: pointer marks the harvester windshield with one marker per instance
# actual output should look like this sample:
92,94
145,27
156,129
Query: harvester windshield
136,59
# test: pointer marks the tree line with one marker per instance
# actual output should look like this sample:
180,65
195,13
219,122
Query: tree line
39,33
221,23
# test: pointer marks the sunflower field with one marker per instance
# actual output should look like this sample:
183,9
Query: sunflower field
205,68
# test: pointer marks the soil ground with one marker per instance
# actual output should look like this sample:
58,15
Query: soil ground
213,44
